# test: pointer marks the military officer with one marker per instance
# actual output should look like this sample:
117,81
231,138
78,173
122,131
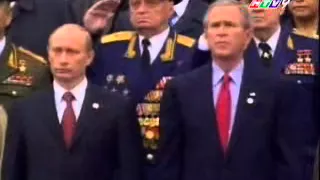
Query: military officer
305,17
139,63
21,71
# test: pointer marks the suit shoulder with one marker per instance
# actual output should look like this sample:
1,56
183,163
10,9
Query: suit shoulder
117,36
185,40
30,56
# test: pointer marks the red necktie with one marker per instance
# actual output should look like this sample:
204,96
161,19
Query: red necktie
223,110
68,119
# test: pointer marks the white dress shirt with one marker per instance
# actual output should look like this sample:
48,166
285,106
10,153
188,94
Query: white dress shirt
272,41
235,86
156,44
2,44
180,8
78,92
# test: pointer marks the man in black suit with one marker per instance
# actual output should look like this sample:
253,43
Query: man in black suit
74,130
225,120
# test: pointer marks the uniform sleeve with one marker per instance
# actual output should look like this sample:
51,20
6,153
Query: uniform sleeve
293,132
170,158
130,145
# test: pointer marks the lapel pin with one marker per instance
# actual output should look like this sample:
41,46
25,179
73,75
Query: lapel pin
95,106
252,94
250,100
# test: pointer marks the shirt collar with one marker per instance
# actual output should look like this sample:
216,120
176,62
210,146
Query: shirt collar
272,41
181,7
77,91
2,44
235,74
156,39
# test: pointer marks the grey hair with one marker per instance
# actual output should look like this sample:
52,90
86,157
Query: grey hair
242,7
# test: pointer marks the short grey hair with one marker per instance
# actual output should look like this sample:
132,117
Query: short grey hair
242,7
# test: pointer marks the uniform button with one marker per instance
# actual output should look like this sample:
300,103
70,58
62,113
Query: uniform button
150,157
14,93
299,81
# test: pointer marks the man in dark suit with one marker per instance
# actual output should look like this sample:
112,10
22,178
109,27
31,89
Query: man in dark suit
74,130
223,121
34,20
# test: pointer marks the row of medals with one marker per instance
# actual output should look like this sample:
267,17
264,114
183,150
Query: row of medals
303,65
148,115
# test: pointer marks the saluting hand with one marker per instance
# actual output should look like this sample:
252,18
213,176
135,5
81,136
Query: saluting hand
99,15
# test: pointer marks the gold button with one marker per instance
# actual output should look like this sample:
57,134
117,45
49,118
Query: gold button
14,93
150,157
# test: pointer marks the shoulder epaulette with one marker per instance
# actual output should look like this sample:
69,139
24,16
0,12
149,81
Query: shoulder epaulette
307,35
290,44
118,36
185,40
32,55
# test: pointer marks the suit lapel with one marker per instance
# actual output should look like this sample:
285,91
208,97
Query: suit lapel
87,113
281,50
205,91
190,15
50,116
243,111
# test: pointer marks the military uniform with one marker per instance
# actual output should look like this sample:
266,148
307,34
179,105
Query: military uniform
296,59
118,67
21,73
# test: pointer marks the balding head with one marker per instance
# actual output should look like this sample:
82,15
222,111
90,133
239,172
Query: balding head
73,30
70,52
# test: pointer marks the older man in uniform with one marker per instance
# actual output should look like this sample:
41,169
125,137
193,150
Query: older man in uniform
21,71
139,63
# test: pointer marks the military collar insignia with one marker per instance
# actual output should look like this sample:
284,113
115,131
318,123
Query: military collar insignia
303,64
167,56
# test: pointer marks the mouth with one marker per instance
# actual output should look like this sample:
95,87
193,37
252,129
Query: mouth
299,8
62,71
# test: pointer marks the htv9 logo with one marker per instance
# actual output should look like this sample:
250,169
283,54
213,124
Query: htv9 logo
268,4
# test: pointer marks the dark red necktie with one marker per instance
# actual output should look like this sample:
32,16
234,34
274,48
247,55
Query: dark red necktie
223,110
68,119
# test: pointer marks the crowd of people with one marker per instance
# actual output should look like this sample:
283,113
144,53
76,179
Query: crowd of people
159,90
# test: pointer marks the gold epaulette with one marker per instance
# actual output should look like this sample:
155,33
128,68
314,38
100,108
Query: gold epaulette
32,55
304,34
290,43
185,40
118,36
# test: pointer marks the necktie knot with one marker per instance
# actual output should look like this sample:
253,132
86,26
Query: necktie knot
173,19
226,78
264,47
146,43
68,97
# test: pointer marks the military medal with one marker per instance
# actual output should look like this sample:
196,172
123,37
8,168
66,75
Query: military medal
22,66
109,78
120,79
307,54
299,54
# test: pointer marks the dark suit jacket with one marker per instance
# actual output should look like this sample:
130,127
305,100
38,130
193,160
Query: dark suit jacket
106,143
261,145
34,20
190,24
